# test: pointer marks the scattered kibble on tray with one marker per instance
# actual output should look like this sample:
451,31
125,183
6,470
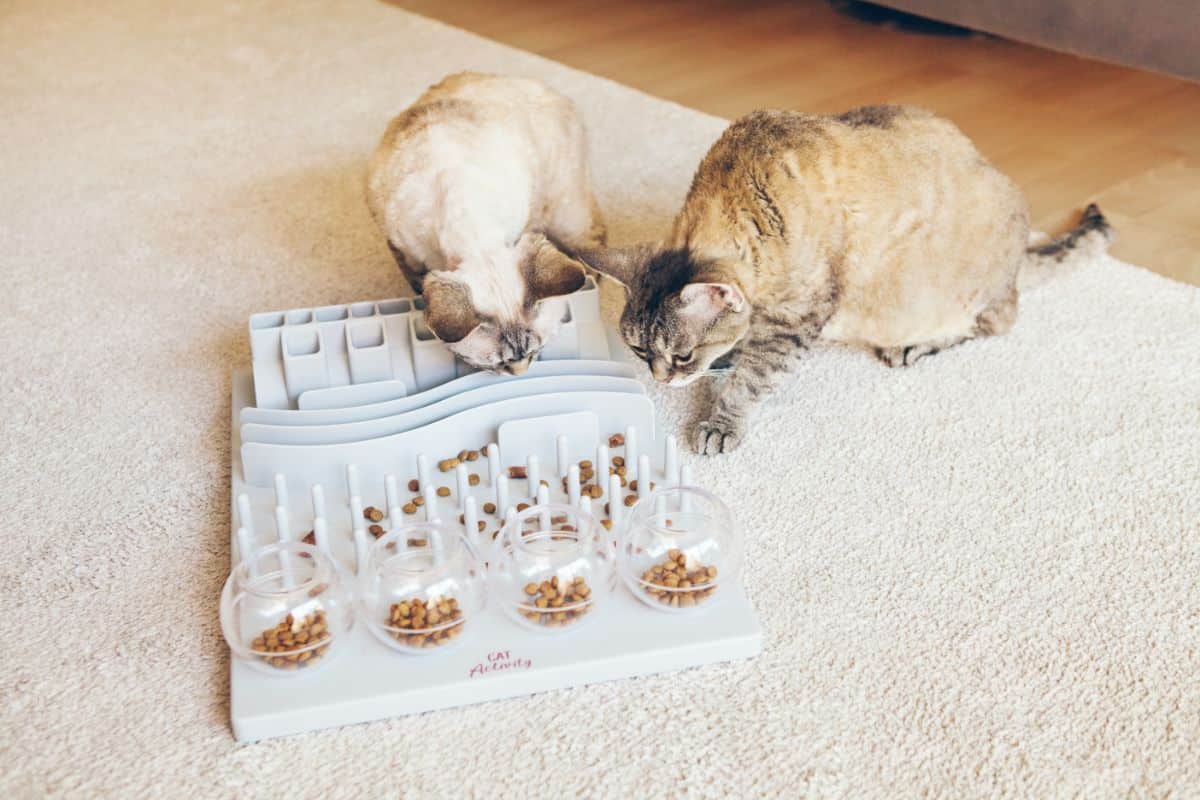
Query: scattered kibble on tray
682,586
489,508
409,508
518,472
376,531
372,513
553,604
416,618
289,645
443,491
310,538
414,485
473,479
448,464
616,440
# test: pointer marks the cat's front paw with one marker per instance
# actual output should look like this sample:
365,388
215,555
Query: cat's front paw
712,437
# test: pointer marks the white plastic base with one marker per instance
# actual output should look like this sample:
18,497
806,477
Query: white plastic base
495,658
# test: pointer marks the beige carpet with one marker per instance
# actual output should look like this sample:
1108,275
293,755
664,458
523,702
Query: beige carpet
979,577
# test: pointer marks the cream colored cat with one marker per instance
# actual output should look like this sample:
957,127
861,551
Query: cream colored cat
882,227
464,184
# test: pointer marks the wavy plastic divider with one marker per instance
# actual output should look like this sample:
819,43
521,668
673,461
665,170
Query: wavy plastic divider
334,416
347,432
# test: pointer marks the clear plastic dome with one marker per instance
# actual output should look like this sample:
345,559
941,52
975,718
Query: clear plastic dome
286,608
552,568
681,548
423,585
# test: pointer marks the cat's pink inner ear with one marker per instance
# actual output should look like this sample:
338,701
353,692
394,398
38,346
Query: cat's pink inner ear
449,312
710,299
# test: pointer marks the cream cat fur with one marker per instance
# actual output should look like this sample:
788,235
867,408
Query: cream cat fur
464,184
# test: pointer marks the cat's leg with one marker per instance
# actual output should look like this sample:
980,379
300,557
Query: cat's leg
414,273
774,345
575,222
907,356
994,320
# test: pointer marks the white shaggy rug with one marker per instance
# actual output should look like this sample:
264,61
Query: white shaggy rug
977,577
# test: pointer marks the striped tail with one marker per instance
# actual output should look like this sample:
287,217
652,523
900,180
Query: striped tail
1089,239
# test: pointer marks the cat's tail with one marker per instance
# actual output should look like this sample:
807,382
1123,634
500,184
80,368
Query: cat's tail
1089,239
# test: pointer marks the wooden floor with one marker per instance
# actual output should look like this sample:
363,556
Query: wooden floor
1068,130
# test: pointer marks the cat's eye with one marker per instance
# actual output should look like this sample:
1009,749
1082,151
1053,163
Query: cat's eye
686,358
640,352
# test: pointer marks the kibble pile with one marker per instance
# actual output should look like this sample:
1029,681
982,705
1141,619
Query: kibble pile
426,623
553,604
682,586
290,644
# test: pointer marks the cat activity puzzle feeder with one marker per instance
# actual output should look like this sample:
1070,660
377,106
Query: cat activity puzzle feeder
422,539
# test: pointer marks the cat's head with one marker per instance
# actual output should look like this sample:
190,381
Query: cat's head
680,315
493,312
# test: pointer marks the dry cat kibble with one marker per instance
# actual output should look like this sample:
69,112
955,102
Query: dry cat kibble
310,538
372,513
553,604
616,440
518,472
472,455
409,508
290,644
682,586
618,461
419,500
443,491
448,464
425,624
473,479
489,508
630,499
414,485
376,530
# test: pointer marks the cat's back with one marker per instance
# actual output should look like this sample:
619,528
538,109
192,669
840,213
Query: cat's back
468,110
799,144
472,144
774,164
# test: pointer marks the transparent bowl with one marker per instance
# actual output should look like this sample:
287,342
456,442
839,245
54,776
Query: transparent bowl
680,550
552,567
423,585
287,609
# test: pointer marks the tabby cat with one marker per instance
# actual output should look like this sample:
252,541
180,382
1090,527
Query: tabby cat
470,185
882,227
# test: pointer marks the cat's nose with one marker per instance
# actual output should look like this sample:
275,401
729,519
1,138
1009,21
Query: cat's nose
660,369
518,367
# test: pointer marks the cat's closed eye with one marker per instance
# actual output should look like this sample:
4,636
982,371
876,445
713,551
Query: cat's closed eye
640,352
686,358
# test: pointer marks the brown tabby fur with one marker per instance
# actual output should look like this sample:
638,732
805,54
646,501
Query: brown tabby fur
881,227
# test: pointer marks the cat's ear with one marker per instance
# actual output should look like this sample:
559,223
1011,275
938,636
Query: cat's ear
704,302
549,272
449,312
622,264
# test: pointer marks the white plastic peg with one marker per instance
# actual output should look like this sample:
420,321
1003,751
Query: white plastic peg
631,452
573,485
493,457
671,461
564,460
